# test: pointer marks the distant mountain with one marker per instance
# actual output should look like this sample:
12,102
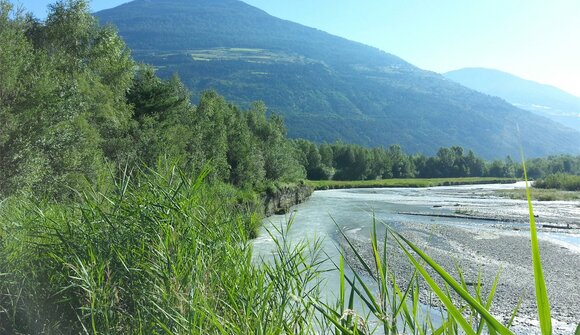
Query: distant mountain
326,87
545,100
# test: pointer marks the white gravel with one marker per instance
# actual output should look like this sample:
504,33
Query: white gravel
489,251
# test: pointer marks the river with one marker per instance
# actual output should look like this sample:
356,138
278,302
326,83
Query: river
469,223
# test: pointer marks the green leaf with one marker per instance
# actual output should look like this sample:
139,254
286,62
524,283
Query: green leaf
451,309
453,283
541,291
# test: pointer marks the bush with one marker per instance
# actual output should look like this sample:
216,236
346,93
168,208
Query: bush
560,181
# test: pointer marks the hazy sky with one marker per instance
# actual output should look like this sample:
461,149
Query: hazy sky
534,39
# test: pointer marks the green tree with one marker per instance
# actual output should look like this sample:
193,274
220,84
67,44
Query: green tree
311,159
245,157
280,156
210,145
163,118
326,154
16,62
475,165
379,165
63,99
402,166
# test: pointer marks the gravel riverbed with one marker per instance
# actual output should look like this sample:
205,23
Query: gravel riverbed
471,225
487,251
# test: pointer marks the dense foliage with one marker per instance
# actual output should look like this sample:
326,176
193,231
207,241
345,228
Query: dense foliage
560,181
121,200
541,167
339,161
75,109
127,210
326,87
162,252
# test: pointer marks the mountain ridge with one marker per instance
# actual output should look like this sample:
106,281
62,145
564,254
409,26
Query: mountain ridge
542,99
326,87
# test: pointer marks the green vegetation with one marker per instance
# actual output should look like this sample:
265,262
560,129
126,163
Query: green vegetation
127,210
541,167
542,300
76,108
326,87
340,161
556,186
162,252
560,181
406,182
541,194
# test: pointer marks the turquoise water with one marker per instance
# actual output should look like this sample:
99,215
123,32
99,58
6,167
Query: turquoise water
353,210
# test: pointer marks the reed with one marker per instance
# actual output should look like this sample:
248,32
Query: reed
164,252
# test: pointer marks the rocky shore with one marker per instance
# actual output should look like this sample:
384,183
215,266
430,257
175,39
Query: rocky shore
488,252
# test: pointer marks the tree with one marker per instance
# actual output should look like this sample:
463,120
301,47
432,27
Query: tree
245,157
379,165
17,60
163,118
326,154
402,166
475,165
63,97
211,137
280,156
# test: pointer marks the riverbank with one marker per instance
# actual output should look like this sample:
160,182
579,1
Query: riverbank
541,194
486,253
278,200
470,224
405,182
483,233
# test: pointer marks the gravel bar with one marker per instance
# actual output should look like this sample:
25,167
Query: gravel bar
488,251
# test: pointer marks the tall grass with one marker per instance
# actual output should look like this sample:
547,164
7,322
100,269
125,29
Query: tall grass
395,309
169,253
164,253
540,285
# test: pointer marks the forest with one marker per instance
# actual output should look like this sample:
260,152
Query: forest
326,87
76,108
120,206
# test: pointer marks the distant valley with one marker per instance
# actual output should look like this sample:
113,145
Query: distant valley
327,88
545,100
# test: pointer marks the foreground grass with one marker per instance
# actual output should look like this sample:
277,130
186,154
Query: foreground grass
167,253
406,182
163,253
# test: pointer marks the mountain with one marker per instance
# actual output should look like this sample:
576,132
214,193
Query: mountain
326,87
545,100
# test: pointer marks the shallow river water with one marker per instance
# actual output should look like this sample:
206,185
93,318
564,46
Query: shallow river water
352,210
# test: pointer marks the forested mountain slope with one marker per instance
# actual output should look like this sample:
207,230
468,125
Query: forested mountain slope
545,100
326,87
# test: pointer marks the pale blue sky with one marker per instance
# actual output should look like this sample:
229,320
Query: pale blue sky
534,39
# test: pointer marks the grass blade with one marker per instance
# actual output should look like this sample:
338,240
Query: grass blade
452,282
540,284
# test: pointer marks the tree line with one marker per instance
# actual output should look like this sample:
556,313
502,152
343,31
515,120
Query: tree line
340,161
75,108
